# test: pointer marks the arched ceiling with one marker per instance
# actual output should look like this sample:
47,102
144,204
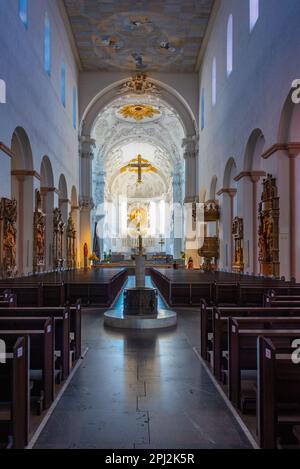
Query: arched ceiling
157,138
164,130
139,35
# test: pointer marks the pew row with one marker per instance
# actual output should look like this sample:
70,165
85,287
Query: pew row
278,395
41,333
14,397
68,337
242,352
262,316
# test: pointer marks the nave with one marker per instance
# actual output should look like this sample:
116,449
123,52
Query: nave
141,390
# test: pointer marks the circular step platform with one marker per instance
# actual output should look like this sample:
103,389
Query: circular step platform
115,318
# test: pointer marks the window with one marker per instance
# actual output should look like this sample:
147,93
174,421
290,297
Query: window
74,108
229,45
47,45
202,109
23,6
63,84
214,82
254,13
2,92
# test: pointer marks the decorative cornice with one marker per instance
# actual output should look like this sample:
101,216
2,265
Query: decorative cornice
230,191
64,201
292,148
25,173
45,190
253,175
6,150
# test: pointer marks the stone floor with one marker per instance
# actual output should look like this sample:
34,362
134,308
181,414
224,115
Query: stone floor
139,389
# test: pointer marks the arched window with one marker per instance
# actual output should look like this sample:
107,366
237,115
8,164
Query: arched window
254,13
2,92
74,107
23,11
63,84
202,109
47,45
229,45
214,82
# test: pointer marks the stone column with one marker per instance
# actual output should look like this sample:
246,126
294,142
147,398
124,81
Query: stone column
254,177
230,193
99,199
75,217
177,206
190,152
48,195
293,152
86,204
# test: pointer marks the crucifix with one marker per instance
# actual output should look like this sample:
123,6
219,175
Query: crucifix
139,164
161,243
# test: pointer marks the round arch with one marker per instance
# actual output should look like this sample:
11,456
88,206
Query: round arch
229,174
22,190
213,188
21,147
167,94
62,187
254,150
289,123
46,172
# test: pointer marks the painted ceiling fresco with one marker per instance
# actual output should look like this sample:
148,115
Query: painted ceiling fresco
146,35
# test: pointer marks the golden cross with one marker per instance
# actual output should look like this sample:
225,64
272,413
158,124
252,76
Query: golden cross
140,165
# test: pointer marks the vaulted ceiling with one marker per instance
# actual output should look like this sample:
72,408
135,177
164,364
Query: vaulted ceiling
145,35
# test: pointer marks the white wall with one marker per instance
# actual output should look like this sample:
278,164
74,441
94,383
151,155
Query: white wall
33,99
265,63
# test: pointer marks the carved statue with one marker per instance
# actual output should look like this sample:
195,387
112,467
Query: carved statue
238,237
58,234
39,230
71,244
8,237
268,241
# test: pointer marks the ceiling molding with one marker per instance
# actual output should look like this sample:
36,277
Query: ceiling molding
66,21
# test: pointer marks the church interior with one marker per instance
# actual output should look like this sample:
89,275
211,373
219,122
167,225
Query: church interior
149,224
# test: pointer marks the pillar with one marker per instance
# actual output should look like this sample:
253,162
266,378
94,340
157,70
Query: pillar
230,194
293,152
48,196
86,204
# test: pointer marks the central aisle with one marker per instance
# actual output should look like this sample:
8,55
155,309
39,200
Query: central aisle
141,390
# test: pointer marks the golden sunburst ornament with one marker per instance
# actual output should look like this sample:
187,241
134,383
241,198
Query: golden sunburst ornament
138,112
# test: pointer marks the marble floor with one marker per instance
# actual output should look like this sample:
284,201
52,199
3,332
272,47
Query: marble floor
141,389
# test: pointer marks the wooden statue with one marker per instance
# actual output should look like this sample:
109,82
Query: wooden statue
8,237
238,238
39,230
268,234
85,255
71,244
58,234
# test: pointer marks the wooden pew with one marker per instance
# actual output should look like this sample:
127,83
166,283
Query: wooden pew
75,319
278,384
220,327
14,399
61,318
242,347
8,299
41,333
27,294
206,327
